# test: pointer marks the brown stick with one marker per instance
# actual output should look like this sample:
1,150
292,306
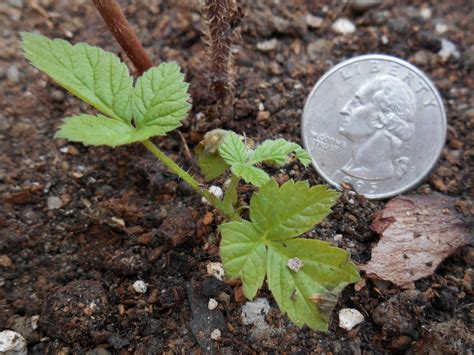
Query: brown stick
116,22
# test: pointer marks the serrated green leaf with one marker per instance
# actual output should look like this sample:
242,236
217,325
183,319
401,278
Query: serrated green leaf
233,150
277,152
93,75
211,164
309,295
101,130
249,173
95,130
243,255
160,98
295,208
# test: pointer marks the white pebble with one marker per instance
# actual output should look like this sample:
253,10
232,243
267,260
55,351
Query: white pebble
349,318
216,191
261,106
364,5
441,28
338,237
139,286
216,270
447,50
216,334
54,203
294,264
12,343
384,39
267,46
343,26
13,74
426,13
34,321
212,304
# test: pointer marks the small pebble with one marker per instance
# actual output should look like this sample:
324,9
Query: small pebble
57,95
426,13
34,322
216,270
13,74
421,57
343,26
12,343
267,46
448,49
314,21
139,286
319,48
216,191
441,28
364,5
338,237
54,203
5,261
349,318
216,334
212,304
263,116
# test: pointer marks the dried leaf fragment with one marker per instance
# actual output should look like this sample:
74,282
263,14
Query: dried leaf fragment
417,233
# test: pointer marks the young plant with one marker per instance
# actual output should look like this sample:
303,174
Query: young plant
304,275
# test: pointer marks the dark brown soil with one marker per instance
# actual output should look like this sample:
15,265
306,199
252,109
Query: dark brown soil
108,222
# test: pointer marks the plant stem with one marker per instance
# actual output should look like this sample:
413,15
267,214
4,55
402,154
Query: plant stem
175,168
116,22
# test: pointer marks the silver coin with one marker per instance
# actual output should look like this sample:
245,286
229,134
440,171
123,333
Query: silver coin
375,122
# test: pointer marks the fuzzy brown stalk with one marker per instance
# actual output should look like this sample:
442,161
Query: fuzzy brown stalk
116,22
220,19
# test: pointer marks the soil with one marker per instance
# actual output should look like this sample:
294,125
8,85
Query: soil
79,225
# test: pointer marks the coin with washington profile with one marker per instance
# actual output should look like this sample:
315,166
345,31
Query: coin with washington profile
375,122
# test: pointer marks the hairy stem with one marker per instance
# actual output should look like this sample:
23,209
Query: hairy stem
116,22
176,169
220,19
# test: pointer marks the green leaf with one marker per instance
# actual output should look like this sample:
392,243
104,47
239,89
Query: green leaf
243,255
160,98
93,75
250,173
95,130
309,295
242,160
277,152
277,214
295,208
211,164
232,149
101,130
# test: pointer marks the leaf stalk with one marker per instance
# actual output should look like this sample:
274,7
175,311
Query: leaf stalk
187,178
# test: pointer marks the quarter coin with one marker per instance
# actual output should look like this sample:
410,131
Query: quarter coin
375,122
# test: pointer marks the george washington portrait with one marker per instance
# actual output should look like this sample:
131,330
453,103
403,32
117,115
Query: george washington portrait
377,121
